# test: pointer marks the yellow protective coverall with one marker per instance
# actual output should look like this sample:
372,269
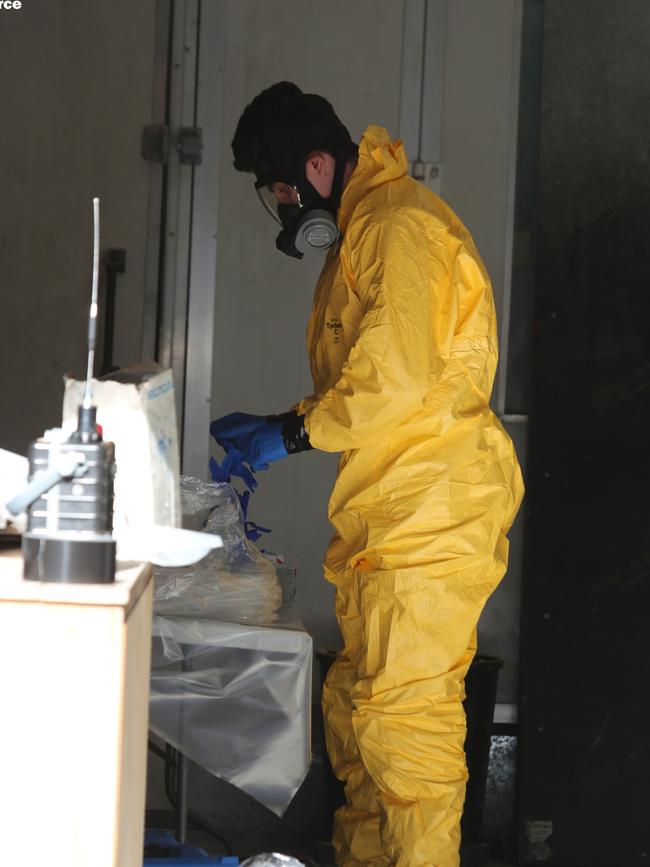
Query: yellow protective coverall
403,351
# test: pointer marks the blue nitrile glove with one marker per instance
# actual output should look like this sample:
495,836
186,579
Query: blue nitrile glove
234,425
261,446
253,531
230,466
260,440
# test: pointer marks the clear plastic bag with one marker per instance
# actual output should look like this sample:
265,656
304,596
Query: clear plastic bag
234,583
236,700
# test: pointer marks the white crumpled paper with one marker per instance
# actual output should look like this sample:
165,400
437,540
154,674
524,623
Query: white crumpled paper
164,546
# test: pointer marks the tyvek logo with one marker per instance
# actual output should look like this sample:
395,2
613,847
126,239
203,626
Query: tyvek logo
335,327
10,5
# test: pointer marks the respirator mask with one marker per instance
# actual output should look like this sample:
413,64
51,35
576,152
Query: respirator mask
308,220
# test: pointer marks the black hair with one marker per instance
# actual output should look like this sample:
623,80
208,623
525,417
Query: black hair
281,127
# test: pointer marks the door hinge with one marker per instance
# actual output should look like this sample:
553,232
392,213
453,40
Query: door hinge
189,144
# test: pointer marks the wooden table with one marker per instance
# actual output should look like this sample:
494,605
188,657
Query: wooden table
74,681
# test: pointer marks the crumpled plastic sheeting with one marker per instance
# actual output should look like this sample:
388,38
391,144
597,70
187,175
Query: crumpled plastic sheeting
200,498
235,582
272,859
236,700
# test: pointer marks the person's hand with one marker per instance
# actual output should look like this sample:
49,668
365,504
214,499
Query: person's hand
235,425
261,446
259,440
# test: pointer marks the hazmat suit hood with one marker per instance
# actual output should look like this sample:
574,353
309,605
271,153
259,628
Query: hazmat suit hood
380,160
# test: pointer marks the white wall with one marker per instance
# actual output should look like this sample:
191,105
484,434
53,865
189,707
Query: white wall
478,126
350,53
76,92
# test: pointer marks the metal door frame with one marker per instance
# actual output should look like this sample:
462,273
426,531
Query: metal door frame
204,240
157,180
424,34
182,255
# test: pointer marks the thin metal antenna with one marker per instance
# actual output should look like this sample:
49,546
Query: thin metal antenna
92,319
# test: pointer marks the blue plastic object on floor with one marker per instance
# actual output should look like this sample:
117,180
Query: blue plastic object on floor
162,850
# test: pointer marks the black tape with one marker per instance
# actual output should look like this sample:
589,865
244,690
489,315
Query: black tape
294,435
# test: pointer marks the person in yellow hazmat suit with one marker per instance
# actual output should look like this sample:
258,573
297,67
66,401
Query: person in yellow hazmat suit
403,351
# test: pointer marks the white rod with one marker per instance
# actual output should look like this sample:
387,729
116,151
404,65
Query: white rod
92,321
